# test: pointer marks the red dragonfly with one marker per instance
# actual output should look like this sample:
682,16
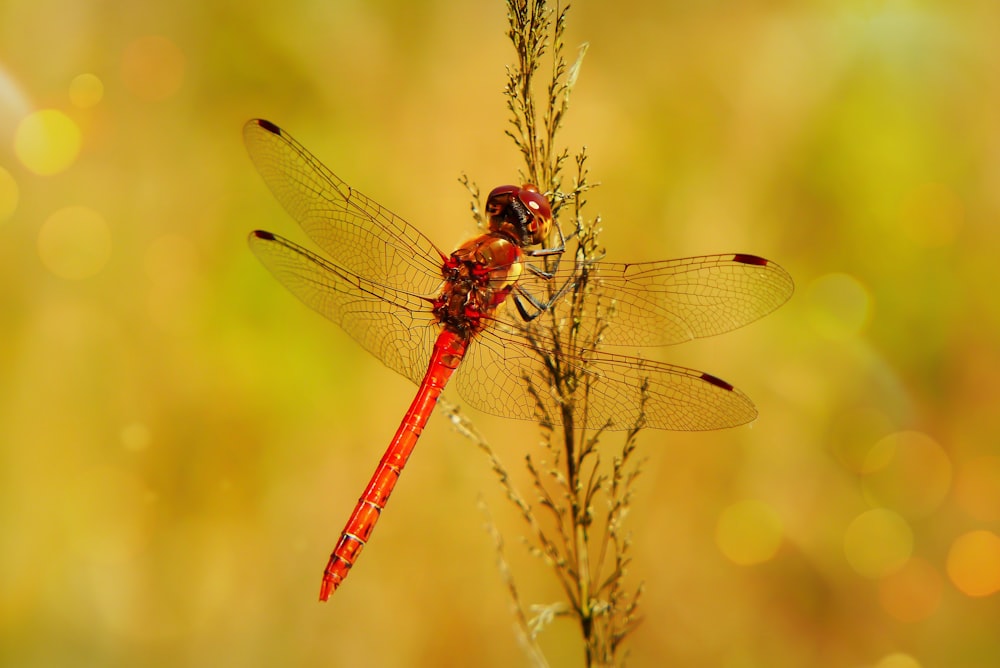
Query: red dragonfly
421,312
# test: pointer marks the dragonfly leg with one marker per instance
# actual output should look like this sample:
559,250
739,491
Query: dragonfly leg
558,249
538,305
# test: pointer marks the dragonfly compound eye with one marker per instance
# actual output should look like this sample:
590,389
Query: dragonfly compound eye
499,199
520,212
541,212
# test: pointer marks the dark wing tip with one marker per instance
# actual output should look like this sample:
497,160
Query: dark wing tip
750,259
261,234
268,125
718,382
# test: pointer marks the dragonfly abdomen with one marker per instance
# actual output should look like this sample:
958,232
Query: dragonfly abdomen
449,349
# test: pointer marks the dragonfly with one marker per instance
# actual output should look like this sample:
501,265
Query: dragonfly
429,315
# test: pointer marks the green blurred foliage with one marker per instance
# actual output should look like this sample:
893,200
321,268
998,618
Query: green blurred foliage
180,440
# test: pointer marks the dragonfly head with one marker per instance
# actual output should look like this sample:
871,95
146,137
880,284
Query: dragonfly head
520,212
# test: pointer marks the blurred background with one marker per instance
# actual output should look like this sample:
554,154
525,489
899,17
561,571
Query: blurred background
181,440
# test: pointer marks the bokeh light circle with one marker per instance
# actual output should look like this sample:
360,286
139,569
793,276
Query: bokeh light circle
74,243
9,195
907,471
748,532
853,431
86,90
839,305
878,542
974,563
47,142
135,437
898,660
912,593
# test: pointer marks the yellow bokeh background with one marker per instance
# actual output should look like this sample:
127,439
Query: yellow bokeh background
181,440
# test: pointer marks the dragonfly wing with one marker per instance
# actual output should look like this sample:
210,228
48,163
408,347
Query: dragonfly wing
670,301
505,376
395,326
356,232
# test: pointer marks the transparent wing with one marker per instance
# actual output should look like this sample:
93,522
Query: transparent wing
670,301
356,233
504,375
382,271
395,326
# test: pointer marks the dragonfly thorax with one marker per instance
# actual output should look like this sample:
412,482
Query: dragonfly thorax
478,276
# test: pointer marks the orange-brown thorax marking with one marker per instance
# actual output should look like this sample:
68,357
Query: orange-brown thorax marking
478,277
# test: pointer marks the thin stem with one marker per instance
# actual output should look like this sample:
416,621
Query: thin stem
586,548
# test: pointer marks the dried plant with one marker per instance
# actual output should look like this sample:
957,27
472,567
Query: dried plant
578,502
